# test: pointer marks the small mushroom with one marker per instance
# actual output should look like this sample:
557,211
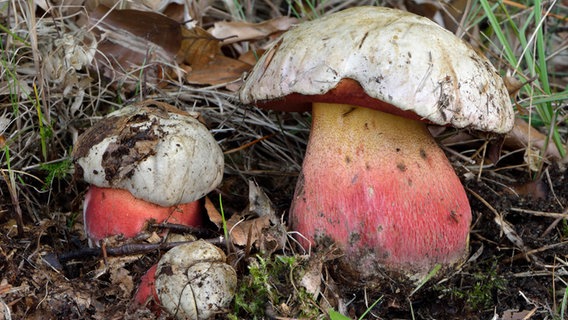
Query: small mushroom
374,181
194,282
144,162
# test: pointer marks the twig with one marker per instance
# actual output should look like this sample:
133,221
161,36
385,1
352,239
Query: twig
246,145
179,228
522,255
557,215
522,6
55,260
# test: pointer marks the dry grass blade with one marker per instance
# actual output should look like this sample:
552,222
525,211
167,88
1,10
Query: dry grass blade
528,253
556,215
12,188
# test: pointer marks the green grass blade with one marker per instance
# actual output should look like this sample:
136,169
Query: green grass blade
42,131
496,26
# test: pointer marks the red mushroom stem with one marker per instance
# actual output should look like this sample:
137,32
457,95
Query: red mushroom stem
147,288
109,212
380,188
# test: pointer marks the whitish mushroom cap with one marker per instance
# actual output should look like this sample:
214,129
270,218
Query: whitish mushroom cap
397,57
194,282
158,153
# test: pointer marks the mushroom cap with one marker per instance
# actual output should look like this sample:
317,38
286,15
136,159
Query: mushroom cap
158,153
393,61
193,281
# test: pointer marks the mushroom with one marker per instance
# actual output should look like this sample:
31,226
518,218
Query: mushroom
144,162
374,182
193,281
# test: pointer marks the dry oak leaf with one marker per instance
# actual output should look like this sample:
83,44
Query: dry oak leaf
135,30
257,225
182,11
131,41
243,232
448,13
208,66
236,31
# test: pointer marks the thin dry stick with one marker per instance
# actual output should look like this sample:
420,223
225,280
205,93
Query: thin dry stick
557,215
547,174
246,145
13,190
56,260
522,255
522,6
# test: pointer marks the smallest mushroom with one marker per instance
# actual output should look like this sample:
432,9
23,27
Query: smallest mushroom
148,161
191,281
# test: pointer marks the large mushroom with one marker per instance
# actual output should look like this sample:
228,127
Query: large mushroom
144,162
374,182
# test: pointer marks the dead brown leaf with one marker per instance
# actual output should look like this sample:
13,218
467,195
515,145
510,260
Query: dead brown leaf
312,273
252,56
517,315
130,40
237,31
448,14
245,232
257,225
311,280
144,26
513,85
242,231
121,277
220,70
208,66
198,47
178,10
535,189
213,213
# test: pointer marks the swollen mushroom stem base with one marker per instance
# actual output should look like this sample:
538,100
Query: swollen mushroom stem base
110,212
380,188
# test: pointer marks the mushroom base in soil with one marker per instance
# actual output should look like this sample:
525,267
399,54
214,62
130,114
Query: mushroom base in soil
380,188
376,185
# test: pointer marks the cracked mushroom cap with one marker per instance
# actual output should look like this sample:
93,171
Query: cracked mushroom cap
155,151
193,281
383,59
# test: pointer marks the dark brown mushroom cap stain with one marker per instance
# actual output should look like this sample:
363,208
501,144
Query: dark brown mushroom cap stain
133,144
